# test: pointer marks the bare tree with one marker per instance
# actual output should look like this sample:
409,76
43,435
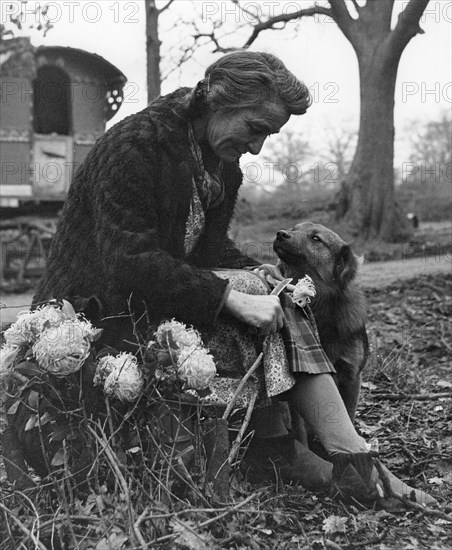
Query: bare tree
340,142
12,24
286,155
153,44
367,195
431,145
425,179
290,148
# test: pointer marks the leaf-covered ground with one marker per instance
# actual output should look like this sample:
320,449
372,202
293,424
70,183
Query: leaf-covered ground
405,409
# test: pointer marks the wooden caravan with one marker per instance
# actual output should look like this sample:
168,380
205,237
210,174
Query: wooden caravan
55,102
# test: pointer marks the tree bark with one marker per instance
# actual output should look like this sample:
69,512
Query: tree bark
152,50
366,199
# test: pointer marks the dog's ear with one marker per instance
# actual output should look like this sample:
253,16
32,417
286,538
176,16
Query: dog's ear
346,266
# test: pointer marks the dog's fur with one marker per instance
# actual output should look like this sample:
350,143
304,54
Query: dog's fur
339,306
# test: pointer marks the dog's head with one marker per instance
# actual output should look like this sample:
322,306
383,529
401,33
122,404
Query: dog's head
313,249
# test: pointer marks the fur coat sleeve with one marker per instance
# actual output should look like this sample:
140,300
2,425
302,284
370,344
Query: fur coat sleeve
121,233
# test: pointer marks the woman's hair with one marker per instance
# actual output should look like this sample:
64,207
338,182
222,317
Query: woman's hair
245,79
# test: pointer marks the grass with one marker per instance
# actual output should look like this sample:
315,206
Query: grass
160,497
255,224
144,494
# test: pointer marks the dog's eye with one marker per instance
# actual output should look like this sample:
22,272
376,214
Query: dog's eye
315,238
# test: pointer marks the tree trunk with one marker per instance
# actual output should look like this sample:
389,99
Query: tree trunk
367,198
152,50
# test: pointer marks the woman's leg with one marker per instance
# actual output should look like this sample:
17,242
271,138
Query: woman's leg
317,399
319,402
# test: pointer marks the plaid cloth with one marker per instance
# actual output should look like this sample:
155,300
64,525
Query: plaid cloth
296,348
301,339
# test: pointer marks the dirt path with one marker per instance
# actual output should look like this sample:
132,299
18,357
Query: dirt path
373,275
381,274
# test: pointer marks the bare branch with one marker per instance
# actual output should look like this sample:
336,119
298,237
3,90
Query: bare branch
166,6
410,16
285,18
407,25
214,39
345,22
357,6
244,10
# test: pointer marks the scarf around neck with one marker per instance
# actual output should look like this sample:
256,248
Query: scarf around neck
207,192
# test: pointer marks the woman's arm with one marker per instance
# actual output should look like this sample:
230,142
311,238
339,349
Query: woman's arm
233,258
127,233
262,312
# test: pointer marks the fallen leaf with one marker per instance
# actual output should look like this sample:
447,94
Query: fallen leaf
115,541
33,399
58,458
436,481
442,521
14,407
45,418
334,524
444,384
369,386
448,477
32,422
189,538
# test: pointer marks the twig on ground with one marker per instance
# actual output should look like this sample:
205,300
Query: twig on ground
236,445
445,344
427,511
413,396
368,542
113,462
164,538
230,510
22,527
408,503
243,381
141,518
330,544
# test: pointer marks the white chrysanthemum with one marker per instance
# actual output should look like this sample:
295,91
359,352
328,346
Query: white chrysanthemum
8,354
20,333
30,324
104,367
304,291
196,367
182,336
62,349
45,318
125,379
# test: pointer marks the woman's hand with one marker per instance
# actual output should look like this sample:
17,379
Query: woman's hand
270,274
262,312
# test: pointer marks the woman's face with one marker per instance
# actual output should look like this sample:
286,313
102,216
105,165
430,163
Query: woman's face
231,133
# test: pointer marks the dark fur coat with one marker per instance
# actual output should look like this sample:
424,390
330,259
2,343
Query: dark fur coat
121,232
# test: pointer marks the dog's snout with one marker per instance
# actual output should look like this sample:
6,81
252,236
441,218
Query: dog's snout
283,235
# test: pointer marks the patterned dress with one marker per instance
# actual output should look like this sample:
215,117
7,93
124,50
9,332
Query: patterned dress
296,348
235,349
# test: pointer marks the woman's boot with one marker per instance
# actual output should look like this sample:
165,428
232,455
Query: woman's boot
289,459
362,477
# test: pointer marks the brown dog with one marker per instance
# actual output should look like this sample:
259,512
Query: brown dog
339,307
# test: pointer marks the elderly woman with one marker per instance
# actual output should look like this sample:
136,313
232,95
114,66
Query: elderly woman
146,220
